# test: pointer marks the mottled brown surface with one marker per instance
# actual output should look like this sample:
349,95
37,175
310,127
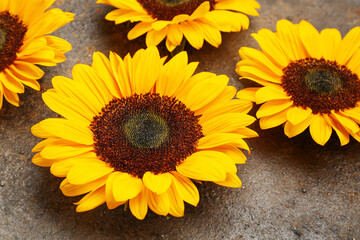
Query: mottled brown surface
292,188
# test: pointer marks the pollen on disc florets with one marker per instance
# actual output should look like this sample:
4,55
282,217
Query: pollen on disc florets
321,85
12,33
168,9
146,132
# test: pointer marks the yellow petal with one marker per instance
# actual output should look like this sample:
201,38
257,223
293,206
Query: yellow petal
202,167
271,46
85,173
63,106
172,75
330,40
248,93
320,130
206,91
147,67
193,33
273,120
138,205
348,46
111,203
68,130
260,59
297,115
230,106
273,107
185,188
153,37
219,139
71,190
42,162
346,122
60,168
232,180
270,93
311,39
176,203
157,183
174,34
289,35
125,186
343,135
63,149
233,152
160,204
91,200
102,66
293,130
227,122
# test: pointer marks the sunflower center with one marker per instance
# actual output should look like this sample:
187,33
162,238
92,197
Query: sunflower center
2,39
174,2
168,9
323,81
321,85
146,132
12,33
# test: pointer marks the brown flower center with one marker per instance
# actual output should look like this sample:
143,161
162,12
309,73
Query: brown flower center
321,85
12,33
168,9
145,133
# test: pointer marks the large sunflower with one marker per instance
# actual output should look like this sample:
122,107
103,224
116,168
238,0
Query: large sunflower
137,130
172,19
310,79
24,42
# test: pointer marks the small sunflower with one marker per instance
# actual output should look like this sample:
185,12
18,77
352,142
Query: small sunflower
137,130
24,42
309,79
173,19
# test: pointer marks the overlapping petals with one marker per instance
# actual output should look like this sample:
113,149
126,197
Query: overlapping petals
290,43
68,146
203,24
38,47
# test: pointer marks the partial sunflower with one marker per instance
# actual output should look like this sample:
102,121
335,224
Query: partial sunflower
24,42
173,19
137,130
310,79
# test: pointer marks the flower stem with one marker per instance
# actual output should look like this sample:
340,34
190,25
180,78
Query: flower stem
179,48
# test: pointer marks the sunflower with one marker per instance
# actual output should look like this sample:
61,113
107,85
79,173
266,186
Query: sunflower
24,42
309,79
173,19
137,130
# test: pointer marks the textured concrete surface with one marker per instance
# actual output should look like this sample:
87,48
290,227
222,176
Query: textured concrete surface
292,189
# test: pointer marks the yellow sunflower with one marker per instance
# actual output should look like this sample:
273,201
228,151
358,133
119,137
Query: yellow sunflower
137,130
173,19
24,42
309,79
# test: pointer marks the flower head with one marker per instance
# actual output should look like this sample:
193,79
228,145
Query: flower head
195,20
137,130
309,79
24,42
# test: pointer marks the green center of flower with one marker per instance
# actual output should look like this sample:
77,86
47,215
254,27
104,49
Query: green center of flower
321,85
146,130
12,33
323,81
168,9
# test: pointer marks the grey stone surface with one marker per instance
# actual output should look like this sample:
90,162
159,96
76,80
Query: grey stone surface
292,188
